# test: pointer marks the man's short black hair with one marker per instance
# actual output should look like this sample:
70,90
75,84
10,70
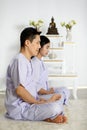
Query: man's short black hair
28,33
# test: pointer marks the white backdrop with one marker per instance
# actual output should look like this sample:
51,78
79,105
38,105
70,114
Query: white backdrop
16,14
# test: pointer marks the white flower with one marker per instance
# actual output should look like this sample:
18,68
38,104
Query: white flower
62,24
36,24
68,25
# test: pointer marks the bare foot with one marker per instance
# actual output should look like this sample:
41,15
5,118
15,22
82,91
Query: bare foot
64,119
58,119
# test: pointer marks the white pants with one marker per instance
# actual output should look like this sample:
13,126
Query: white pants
38,112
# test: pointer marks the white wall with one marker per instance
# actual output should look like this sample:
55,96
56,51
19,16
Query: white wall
15,15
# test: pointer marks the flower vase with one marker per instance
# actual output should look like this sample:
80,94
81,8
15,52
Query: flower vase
69,35
38,29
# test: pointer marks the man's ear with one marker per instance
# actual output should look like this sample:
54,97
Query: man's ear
27,43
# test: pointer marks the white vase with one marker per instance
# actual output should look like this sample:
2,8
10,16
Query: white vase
68,35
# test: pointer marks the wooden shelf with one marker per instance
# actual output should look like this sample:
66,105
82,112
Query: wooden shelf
51,60
69,42
53,35
60,48
63,75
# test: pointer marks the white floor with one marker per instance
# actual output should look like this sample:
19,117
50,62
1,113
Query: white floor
76,113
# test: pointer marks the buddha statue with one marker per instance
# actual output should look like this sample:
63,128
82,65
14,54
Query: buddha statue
52,27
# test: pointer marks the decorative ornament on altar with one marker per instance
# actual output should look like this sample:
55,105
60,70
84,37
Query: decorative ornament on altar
52,28
52,55
68,27
36,24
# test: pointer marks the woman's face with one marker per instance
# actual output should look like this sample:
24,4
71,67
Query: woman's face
45,49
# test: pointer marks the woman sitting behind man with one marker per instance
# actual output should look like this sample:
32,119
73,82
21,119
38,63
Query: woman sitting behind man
42,84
